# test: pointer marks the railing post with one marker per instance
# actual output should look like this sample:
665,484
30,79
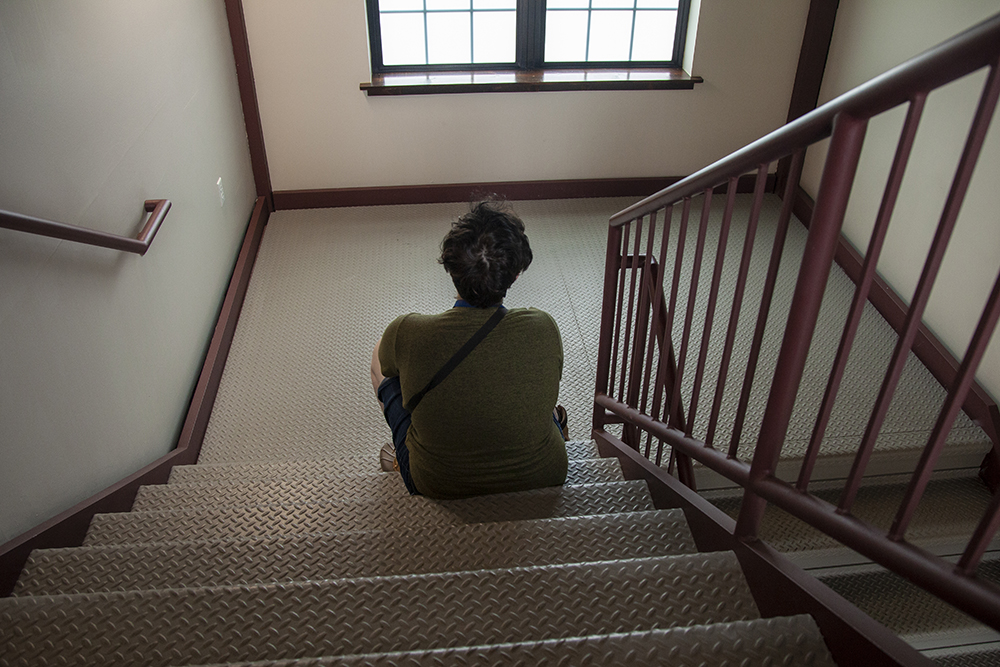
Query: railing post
611,268
817,260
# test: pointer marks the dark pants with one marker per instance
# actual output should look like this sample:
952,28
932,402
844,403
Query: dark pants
398,419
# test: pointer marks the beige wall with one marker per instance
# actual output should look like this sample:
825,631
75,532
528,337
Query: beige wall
103,105
321,131
869,38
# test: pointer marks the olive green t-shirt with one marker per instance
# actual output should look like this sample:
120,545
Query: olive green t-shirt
487,428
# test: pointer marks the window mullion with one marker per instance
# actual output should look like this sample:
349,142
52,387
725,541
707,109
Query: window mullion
530,49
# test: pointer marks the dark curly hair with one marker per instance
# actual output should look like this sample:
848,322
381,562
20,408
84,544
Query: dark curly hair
485,250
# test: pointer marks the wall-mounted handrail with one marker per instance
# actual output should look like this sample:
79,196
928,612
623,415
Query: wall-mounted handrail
157,209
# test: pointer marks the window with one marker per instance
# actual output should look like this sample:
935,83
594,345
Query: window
470,35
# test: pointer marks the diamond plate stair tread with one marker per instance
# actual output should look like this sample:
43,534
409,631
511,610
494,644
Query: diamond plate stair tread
904,608
578,471
360,554
792,641
204,625
950,509
366,461
984,656
342,515
313,489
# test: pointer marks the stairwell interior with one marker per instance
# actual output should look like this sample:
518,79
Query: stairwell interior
284,545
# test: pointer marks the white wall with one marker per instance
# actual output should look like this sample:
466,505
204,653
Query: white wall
869,38
321,131
103,105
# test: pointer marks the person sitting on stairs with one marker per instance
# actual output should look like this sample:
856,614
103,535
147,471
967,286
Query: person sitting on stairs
486,422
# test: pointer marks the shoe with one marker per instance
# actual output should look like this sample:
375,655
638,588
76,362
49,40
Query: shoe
563,419
387,458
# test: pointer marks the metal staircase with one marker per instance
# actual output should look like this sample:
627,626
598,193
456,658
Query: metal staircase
317,562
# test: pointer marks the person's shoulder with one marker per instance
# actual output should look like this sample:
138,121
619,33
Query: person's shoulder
535,316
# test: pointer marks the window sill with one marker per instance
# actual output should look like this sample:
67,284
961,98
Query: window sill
480,81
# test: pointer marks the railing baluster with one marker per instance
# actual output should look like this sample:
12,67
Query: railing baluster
631,309
713,295
663,315
675,285
821,244
622,261
605,372
981,539
741,282
656,291
960,185
864,285
689,312
641,333
956,396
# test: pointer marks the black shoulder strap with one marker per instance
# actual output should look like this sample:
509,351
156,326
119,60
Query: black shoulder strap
457,358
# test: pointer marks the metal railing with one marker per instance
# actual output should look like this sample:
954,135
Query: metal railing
157,209
654,346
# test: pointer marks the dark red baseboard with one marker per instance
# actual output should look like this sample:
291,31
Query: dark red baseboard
70,527
465,192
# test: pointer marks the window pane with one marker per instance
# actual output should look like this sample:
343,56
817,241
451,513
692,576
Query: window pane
654,35
447,4
400,5
612,4
494,4
403,39
610,35
657,4
494,37
565,36
449,38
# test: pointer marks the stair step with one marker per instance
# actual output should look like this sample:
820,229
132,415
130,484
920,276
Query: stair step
344,515
792,641
948,514
575,449
359,554
237,491
980,655
333,469
415,612
920,618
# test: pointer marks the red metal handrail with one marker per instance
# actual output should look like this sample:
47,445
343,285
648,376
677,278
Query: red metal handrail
157,209
624,350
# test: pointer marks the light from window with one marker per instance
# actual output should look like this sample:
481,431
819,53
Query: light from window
459,35
447,32
610,30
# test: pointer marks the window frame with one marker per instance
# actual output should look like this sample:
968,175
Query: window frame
529,47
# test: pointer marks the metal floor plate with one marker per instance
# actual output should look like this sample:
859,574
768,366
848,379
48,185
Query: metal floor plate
791,642
404,550
948,513
316,489
582,454
304,519
192,626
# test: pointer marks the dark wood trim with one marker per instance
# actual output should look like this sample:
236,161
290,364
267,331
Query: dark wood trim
529,81
248,98
815,48
68,528
779,587
464,192
928,348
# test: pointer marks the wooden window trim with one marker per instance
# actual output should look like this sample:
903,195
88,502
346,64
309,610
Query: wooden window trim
523,81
